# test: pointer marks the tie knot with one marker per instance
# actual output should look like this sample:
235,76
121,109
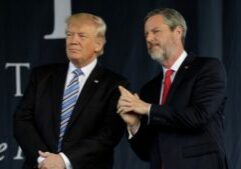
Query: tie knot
77,72
169,72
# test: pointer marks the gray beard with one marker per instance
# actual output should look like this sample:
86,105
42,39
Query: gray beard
159,57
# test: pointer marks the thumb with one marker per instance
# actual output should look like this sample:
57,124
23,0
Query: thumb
121,88
43,154
137,96
124,91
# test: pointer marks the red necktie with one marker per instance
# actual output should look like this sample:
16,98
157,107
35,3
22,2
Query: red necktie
167,85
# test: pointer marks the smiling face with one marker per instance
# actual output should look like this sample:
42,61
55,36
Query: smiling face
82,42
162,42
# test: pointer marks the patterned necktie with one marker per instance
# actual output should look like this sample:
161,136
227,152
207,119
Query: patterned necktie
167,85
70,97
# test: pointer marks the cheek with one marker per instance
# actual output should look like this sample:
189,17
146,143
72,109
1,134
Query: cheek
161,39
165,40
66,43
172,41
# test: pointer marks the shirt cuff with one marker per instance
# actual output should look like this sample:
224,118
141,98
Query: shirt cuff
40,159
66,161
133,130
148,114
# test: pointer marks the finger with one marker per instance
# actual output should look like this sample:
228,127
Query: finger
137,96
124,110
120,110
43,154
125,98
128,110
124,91
124,104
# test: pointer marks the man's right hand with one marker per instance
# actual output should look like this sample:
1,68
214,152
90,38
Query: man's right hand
131,118
51,161
133,122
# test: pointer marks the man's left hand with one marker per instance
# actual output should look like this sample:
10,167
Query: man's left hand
51,161
129,102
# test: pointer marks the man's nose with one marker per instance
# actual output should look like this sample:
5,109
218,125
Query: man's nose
149,37
74,38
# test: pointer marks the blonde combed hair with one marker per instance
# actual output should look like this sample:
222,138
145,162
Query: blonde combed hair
96,20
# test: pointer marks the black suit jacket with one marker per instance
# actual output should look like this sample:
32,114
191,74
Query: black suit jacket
186,132
94,127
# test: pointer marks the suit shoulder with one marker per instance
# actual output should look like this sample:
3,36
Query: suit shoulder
209,63
48,68
209,67
207,60
45,71
113,75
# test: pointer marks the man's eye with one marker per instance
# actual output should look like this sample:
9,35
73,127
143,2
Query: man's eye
156,31
69,34
82,36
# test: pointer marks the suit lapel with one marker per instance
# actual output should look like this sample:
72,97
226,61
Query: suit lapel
181,73
87,92
57,94
156,92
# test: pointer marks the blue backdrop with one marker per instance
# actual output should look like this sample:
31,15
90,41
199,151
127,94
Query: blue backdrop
31,34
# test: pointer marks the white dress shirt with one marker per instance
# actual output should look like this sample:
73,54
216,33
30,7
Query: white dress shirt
82,80
175,68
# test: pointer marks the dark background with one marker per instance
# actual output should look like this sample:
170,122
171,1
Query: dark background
214,29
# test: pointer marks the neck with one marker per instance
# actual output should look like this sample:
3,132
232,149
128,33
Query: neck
82,63
171,59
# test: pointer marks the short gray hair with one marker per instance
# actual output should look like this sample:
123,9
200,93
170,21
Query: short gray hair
172,18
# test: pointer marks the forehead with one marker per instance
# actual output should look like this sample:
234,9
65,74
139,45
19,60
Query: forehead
155,21
81,25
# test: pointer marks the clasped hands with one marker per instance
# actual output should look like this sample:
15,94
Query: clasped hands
130,107
51,161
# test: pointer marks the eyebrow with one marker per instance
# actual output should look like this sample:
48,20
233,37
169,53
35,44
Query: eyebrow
79,33
154,29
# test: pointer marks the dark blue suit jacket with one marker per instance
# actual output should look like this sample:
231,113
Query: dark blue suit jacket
94,127
186,132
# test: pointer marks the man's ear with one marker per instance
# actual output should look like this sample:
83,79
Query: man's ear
179,30
99,44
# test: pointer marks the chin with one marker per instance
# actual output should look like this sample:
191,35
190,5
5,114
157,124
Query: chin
73,57
157,56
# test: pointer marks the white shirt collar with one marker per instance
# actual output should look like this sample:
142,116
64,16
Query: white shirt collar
86,69
178,62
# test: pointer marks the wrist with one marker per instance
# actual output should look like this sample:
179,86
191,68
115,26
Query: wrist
134,128
147,109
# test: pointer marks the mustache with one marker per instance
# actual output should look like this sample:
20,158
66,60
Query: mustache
151,45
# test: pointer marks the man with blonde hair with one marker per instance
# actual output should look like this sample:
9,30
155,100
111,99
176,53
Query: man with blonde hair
67,117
